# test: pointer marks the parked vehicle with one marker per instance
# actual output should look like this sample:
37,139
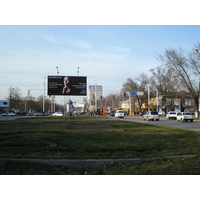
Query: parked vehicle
105,111
119,114
38,114
112,113
161,113
29,114
57,114
151,115
9,114
185,117
75,113
142,113
125,113
171,115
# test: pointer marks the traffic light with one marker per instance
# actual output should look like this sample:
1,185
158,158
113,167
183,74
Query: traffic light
126,94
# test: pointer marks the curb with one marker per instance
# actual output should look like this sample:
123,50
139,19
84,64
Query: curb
93,162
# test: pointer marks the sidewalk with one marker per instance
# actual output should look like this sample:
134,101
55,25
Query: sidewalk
93,162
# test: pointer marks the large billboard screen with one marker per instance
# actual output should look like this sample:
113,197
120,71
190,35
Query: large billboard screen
67,85
4,104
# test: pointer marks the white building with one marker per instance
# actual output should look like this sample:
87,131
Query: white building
94,91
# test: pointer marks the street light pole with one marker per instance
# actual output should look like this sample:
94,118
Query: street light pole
148,98
11,89
57,71
95,95
157,99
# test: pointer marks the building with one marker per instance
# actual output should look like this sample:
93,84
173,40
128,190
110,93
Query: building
163,103
94,91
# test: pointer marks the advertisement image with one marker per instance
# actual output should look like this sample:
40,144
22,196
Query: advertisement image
67,85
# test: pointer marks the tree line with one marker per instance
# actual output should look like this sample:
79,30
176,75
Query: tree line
178,73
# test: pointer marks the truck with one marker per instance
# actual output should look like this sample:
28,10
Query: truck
100,111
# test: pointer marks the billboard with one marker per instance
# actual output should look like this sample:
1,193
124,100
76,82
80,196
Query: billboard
67,85
4,104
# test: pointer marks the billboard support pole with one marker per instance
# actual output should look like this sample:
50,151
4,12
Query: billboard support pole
130,103
96,96
44,96
64,106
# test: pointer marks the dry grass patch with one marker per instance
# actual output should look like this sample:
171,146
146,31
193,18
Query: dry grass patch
93,127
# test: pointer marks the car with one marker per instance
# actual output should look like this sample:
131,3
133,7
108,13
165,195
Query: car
185,117
38,114
9,114
75,113
112,113
141,113
57,114
119,114
125,113
29,114
82,113
151,115
171,115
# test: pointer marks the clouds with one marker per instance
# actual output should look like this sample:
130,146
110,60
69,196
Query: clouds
108,54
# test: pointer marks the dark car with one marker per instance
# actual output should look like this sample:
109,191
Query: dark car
125,113
112,113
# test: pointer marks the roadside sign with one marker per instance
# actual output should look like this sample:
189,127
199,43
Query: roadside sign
140,93
4,104
133,93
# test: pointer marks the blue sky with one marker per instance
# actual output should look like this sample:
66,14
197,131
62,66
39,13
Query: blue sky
105,53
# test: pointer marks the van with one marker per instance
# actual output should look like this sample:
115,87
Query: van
119,113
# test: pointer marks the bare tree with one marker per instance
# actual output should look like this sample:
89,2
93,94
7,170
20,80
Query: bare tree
133,86
14,97
194,59
113,99
129,86
163,80
143,81
183,69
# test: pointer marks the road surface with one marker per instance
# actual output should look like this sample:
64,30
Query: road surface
195,125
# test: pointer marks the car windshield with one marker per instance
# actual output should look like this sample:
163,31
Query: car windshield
154,113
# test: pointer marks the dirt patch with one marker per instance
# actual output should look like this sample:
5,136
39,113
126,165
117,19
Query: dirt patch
36,135
93,127
17,127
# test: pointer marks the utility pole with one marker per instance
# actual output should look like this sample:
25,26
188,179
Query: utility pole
95,96
148,98
130,103
157,99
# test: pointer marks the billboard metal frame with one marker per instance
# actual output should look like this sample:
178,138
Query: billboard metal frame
67,85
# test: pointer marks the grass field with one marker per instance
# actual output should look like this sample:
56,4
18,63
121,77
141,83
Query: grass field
96,138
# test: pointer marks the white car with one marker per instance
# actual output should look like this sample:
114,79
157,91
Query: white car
9,114
171,115
57,114
119,114
185,117
151,115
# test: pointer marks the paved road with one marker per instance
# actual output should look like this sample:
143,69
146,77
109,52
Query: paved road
8,118
195,125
